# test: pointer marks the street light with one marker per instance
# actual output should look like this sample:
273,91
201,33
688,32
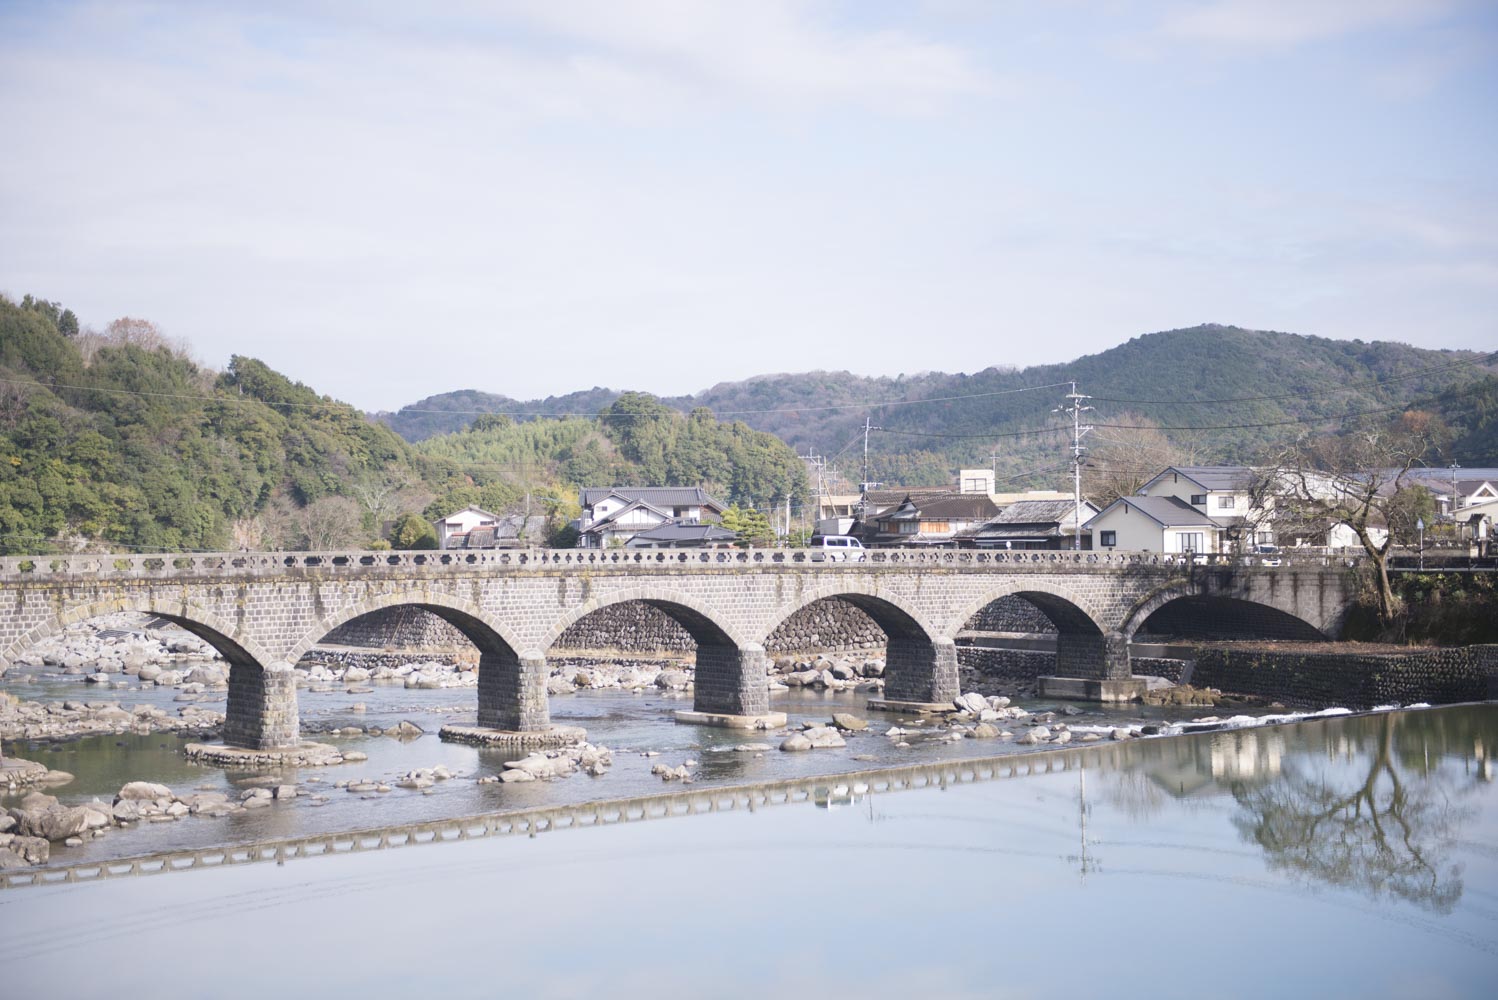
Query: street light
1420,527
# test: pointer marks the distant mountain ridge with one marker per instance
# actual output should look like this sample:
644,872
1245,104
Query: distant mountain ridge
1245,388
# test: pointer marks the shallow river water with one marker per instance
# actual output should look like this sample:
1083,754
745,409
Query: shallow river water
1350,856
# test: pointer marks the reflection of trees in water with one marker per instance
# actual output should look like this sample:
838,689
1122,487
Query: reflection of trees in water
1379,829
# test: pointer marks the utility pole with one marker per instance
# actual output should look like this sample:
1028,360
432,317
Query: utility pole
864,486
1073,406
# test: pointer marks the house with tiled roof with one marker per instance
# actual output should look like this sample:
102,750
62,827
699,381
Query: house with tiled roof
928,519
1030,524
611,516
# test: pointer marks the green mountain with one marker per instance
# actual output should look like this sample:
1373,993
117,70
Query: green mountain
1220,394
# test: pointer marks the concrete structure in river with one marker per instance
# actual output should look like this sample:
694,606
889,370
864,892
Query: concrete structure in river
262,611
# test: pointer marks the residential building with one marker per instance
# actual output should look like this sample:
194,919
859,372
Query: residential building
1222,493
476,528
1030,524
682,536
931,518
612,516
1155,524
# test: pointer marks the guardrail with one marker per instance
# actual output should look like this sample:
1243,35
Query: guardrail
822,789
250,564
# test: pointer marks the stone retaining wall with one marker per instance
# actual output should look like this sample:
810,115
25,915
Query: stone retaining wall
979,664
1350,680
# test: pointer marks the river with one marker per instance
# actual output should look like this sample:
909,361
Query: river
1347,856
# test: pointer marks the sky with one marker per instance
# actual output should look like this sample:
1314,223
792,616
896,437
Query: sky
387,200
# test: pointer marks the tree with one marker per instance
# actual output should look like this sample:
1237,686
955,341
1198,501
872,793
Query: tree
329,523
1361,479
412,531
751,525
1120,466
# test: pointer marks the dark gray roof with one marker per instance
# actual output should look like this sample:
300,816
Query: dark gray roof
1039,512
1212,477
952,506
1172,512
656,496
1016,532
685,533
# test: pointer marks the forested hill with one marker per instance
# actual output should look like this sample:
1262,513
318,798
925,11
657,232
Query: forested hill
120,439
1245,389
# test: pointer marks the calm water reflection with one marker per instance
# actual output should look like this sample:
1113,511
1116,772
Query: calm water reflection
1345,857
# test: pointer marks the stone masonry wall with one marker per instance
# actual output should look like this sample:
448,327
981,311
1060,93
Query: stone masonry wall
983,664
398,628
1010,614
1350,680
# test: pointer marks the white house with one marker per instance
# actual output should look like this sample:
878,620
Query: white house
612,516
452,530
1155,524
1221,492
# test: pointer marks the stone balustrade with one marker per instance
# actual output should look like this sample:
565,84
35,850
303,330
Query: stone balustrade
259,564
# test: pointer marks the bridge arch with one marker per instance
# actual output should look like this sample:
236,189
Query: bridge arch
1192,613
920,663
511,679
705,625
195,619
1067,610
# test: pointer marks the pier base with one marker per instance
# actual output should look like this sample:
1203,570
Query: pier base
910,707
1116,691
766,720
300,755
479,736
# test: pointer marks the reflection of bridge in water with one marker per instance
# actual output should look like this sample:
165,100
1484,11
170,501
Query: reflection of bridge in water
263,611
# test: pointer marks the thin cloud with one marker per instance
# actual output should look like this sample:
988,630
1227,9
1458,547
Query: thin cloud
1289,23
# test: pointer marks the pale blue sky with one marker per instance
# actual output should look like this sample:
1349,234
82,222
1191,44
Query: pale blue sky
534,197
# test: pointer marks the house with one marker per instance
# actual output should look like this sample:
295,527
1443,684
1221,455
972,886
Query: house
682,536
476,528
1155,524
928,519
1222,493
1455,488
453,530
612,516
1030,524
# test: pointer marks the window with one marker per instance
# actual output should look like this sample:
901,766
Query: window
1191,541
1226,503
1200,499
909,527
1265,538
1107,538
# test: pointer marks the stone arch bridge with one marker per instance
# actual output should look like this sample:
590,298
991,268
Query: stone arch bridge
262,611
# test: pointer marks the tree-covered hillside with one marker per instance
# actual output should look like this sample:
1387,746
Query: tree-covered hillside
635,441
119,439
1220,393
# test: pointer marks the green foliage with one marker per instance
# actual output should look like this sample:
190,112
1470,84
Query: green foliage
412,531
635,441
751,525
139,448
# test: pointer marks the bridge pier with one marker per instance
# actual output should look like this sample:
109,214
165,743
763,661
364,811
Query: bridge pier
512,693
262,711
920,675
1092,667
732,688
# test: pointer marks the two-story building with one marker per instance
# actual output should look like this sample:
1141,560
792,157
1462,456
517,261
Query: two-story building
1155,524
613,515
1222,493
1030,524
928,519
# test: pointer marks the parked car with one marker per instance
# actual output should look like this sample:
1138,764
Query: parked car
836,548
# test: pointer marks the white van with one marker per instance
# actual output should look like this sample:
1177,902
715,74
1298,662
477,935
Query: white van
836,548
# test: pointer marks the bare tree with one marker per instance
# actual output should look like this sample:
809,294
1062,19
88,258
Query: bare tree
330,523
1120,464
387,492
249,533
1361,479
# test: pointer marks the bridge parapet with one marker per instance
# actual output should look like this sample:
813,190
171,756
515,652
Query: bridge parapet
168,565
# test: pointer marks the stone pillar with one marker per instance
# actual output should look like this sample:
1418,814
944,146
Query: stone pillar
262,712
512,693
1092,667
732,688
920,671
